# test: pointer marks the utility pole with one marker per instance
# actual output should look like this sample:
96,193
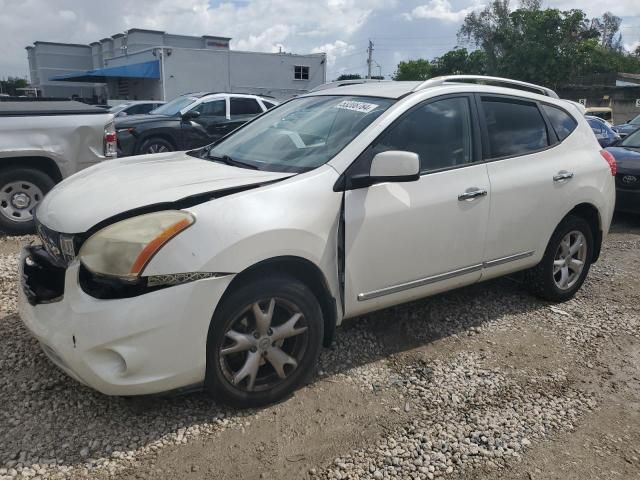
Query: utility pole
369,58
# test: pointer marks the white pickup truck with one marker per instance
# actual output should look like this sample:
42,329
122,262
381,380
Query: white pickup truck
41,143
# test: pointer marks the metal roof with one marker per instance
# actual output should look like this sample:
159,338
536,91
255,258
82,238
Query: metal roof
371,89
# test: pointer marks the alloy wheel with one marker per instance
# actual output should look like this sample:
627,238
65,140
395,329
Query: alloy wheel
263,345
569,260
157,148
19,199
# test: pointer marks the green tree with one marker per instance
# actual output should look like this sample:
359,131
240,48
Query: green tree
546,46
10,85
348,76
413,70
459,61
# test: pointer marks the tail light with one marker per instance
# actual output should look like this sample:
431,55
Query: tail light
611,161
110,141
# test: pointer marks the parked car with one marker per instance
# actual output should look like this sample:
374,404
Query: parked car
134,108
627,128
605,113
627,155
188,121
229,266
603,132
40,144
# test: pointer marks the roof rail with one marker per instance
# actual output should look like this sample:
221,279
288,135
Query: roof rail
498,81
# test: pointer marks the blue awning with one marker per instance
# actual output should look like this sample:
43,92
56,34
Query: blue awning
137,70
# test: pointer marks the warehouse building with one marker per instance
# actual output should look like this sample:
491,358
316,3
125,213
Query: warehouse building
154,65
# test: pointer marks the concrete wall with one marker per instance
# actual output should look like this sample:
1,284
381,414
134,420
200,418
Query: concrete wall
194,64
47,60
240,72
622,100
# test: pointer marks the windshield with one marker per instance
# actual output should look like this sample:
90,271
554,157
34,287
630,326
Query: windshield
302,134
635,121
632,140
174,106
118,108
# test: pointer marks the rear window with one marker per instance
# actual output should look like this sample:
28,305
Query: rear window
515,127
562,122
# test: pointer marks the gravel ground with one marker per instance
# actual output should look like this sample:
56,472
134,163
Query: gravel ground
484,382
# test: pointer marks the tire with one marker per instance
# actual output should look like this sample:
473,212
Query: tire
250,348
21,190
155,145
545,278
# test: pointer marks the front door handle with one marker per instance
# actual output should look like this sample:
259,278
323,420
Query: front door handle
562,175
472,194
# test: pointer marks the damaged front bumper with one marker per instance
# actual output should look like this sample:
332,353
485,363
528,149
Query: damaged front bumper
146,344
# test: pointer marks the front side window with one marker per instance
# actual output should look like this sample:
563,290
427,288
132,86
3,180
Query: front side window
562,122
300,72
216,108
244,106
302,134
439,132
514,127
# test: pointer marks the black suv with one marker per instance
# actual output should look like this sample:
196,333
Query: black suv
189,121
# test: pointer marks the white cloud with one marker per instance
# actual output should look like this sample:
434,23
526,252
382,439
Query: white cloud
334,50
439,10
262,25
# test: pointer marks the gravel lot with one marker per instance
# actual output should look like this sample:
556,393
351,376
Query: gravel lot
485,382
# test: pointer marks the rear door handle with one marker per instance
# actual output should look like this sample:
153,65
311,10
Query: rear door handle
471,194
562,175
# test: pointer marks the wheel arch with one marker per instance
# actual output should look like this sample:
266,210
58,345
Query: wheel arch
303,270
591,215
44,164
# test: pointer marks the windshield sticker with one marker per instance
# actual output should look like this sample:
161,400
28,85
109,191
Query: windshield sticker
363,107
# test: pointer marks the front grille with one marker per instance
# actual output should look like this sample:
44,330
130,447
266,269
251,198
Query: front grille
628,181
60,246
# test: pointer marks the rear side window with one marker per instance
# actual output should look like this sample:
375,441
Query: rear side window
268,104
514,127
244,106
562,122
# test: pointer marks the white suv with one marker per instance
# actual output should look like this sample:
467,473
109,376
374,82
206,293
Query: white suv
229,266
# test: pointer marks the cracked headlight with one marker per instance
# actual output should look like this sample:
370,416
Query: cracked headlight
124,249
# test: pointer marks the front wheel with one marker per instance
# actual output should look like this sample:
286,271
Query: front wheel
566,261
156,145
21,190
264,341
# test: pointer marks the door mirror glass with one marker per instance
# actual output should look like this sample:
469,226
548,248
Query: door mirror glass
190,115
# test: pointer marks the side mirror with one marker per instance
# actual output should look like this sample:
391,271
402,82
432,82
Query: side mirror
190,115
390,166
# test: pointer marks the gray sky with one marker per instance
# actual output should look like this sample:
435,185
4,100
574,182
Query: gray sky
400,29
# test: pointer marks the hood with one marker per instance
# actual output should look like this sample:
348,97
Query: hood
117,186
133,120
627,158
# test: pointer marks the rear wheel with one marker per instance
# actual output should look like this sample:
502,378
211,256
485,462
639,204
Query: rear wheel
263,342
566,261
156,145
21,190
